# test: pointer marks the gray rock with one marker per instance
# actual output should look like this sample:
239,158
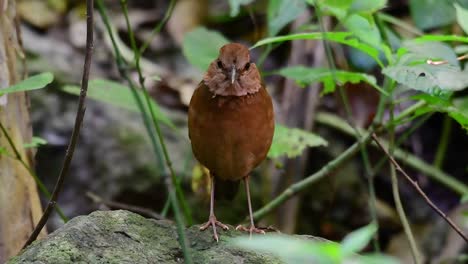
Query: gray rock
124,237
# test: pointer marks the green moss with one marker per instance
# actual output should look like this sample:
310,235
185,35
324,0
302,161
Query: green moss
124,237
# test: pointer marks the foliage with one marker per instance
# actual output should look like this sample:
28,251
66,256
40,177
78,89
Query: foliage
297,250
200,52
34,82
118,95
306,75
35,142
292,141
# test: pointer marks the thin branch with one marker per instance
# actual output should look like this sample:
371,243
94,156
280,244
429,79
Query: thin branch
308,181
419,190
76,129
407,158
136,209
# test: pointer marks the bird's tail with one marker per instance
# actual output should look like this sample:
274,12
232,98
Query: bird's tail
225,189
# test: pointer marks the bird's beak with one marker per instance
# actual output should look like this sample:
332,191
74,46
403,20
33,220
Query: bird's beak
233,74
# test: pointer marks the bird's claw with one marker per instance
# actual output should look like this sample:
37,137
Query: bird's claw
212,221
252,229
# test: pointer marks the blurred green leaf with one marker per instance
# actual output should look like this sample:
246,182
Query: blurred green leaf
346,38
426,38
201,47
367,6
118,95
363,29
292,141
32,83
462,17
455,108
281,13
35,142
429,14
306,75
464,199
3,151
358,239
377,258
338,8
292,250
235,6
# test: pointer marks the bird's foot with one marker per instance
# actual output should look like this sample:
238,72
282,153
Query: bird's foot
212,221
252,229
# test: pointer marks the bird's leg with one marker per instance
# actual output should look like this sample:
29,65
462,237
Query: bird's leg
252,228
212,218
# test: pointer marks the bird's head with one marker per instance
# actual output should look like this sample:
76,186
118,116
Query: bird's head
232,73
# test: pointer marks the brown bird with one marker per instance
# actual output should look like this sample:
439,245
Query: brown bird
231,125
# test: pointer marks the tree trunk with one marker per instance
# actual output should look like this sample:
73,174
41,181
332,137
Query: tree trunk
20,208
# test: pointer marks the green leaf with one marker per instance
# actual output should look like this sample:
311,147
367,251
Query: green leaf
377,258
455,108
464,199
292,250
363,29
35,142
338,8
462,17
426,38
305,75
118,95
432,79
358,239
413,70
367,6
235,6
292,141
346,38
201,47
3,151
429,14
32,83
282,12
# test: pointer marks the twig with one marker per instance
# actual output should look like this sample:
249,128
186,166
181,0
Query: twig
149,127
303,184
76,129
431,62
137,209
175,183
405,157
419,190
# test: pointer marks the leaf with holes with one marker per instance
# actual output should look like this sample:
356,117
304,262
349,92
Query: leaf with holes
414,70
292,141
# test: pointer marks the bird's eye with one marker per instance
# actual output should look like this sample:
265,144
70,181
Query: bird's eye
220,64
247,66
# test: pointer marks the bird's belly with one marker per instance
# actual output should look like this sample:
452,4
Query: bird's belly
231,140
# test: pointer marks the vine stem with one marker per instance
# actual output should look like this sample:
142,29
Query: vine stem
76,128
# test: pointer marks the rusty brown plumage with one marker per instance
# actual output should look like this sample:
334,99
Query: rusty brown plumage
231,121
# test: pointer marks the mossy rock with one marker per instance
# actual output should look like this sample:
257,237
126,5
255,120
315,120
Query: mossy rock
124,237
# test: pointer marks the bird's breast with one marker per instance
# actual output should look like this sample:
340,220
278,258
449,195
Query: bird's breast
230,135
